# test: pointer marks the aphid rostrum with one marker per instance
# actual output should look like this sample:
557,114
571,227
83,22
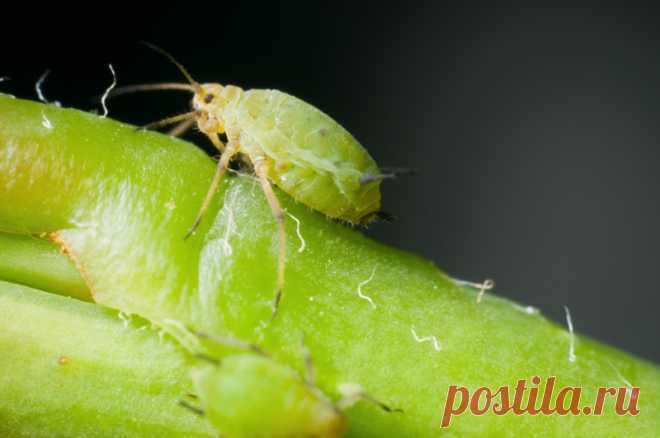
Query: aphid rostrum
288,142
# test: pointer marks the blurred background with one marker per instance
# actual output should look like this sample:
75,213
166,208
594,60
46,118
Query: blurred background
535,131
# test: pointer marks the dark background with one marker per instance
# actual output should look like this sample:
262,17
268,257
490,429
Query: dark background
535,131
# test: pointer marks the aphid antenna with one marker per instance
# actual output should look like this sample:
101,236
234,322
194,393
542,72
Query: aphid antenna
128,89
209,359
192,85
173,60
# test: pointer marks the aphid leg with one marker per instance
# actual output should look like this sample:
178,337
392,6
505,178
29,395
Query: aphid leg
194,409
310,370
223,164
181,128
380,216
231,342
353,393
219,145
261,169
169,121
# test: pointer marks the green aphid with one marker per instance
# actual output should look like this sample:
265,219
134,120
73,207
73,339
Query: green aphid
287,142
248,395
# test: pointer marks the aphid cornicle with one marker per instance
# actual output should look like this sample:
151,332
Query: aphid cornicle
289,143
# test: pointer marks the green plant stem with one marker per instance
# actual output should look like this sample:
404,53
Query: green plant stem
39,264
74,369
120,201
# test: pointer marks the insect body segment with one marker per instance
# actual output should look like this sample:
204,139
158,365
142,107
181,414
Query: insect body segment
315,160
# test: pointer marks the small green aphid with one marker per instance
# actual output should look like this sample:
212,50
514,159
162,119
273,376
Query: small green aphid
287,142
248,395
252,395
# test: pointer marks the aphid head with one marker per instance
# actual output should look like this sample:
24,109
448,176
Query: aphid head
213,97
208,97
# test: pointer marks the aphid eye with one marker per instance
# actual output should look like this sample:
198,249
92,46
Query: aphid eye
208,98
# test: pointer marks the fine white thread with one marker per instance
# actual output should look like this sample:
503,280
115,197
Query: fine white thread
300,237
364,283
430,338
571,334
38,85
107,91
45,122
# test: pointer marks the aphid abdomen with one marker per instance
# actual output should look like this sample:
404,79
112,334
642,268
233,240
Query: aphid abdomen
313,188
315,160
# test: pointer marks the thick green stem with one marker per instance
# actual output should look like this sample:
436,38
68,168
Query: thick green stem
119,203
39,264
74,369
